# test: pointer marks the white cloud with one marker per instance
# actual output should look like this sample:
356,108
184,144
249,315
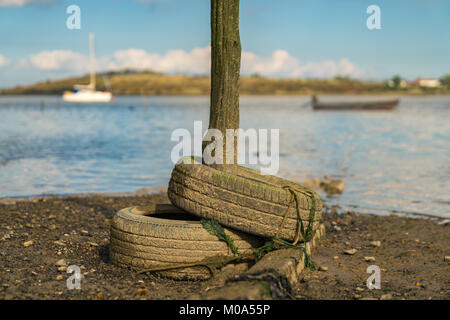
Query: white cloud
13,3
3,61
21,3
197,61
59,60
282,64
329,68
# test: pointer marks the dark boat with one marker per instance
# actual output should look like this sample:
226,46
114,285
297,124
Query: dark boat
355,105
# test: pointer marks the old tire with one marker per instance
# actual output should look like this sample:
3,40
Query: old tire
242,199
165,236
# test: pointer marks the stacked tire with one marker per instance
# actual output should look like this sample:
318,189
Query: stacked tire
171,239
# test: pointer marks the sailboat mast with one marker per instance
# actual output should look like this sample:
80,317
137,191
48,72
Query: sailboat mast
92,60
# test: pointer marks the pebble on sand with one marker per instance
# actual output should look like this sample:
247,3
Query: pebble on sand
28,243
375,243
143,292
369,259
331,186
350,251
61,263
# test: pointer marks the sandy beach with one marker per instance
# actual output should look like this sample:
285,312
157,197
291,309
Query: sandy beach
40,237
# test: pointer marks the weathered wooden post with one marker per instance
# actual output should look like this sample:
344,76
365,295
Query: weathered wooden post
225,70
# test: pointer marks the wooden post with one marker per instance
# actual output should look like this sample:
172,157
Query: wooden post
225,69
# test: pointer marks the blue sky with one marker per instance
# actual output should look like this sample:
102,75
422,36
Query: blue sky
280,38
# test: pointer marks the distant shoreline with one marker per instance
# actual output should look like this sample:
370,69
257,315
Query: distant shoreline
156,84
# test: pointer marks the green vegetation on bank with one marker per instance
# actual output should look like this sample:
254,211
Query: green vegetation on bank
151,83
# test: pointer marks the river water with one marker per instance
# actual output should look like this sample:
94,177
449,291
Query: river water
391,160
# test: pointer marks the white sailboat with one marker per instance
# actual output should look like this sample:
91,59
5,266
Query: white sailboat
87,93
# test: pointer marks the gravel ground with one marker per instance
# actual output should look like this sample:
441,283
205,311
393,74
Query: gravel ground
410,252
40,237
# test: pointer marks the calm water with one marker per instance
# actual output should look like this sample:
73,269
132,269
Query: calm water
391,161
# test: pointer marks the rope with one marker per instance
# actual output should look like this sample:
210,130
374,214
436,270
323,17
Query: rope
300,231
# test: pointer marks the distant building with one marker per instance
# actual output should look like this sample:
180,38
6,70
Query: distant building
428,83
